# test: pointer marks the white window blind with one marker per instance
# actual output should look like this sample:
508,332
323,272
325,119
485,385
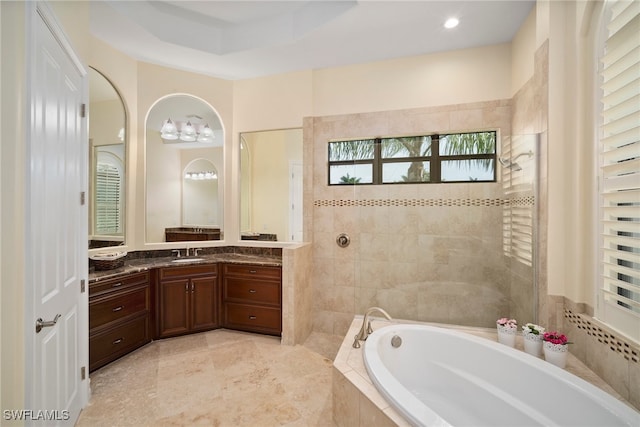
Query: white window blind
107,204
619,296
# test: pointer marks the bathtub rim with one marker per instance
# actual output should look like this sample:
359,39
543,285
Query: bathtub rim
406,401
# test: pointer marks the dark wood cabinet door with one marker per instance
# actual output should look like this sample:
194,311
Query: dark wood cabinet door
204,303
174,298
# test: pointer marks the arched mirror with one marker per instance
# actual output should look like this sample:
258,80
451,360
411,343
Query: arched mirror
271,185
107,142
184,171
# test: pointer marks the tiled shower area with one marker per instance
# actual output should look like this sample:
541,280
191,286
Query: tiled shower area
455,253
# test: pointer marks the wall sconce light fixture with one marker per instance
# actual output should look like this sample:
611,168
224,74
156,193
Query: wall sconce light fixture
186,133
199,176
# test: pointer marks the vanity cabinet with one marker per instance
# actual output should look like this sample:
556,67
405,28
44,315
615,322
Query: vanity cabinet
252,298
119,316
187,299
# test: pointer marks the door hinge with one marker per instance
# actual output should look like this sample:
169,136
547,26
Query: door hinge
82,197
82,286
83,110
83,373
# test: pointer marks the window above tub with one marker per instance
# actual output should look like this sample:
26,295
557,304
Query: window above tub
418,159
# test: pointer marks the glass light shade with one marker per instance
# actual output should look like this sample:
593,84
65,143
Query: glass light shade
169,130
206,134
188,133
188,129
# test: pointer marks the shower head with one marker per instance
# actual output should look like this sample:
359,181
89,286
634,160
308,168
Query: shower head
511,163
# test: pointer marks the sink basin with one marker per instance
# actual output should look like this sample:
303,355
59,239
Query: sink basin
183,260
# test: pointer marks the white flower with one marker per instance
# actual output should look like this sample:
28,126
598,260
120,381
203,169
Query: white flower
531,328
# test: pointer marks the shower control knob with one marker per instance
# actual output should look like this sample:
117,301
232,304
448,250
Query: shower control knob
343,240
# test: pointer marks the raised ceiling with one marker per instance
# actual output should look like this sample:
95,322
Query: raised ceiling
246,39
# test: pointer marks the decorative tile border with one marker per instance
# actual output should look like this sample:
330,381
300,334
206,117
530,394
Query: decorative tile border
522,201
614,343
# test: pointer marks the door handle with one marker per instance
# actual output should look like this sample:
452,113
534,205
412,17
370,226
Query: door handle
46,323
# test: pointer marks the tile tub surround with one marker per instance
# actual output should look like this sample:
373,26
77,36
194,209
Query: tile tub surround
356,401
605,352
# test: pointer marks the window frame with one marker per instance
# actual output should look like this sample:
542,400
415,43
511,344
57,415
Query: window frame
435,159
108,188
615,308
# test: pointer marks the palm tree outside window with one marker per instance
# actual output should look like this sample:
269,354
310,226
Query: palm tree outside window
457,157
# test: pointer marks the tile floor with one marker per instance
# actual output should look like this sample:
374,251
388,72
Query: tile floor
216,378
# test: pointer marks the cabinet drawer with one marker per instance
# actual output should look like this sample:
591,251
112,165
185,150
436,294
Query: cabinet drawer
107,285
251,291
253,271
119,306
188,271
113,343
253,318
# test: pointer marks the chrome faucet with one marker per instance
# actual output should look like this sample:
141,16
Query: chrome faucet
366,329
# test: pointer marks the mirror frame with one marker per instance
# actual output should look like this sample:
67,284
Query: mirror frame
125,167
221,187
246,206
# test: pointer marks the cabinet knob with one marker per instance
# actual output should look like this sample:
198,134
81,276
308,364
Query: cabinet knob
253,271
118,341
117,308
252,317
115,285
252,291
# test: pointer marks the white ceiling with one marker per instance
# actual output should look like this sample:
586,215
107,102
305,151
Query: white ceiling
245,39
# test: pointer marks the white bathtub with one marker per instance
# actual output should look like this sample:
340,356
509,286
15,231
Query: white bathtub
442,377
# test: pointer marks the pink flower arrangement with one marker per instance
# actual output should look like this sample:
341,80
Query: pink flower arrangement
555,338
507,323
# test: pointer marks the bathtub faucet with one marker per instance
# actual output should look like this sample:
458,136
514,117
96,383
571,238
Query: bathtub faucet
366,329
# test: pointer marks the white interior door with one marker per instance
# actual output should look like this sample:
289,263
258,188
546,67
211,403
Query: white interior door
56,227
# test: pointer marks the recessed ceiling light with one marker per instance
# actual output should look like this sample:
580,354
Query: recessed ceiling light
451,23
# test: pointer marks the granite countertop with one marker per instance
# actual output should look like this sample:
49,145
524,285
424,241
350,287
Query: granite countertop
145,264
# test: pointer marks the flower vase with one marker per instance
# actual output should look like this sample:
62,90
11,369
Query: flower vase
506,335
532,344
556,354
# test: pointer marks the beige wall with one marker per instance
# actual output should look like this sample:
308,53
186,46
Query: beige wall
523,47
12,327
456,77
571,162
